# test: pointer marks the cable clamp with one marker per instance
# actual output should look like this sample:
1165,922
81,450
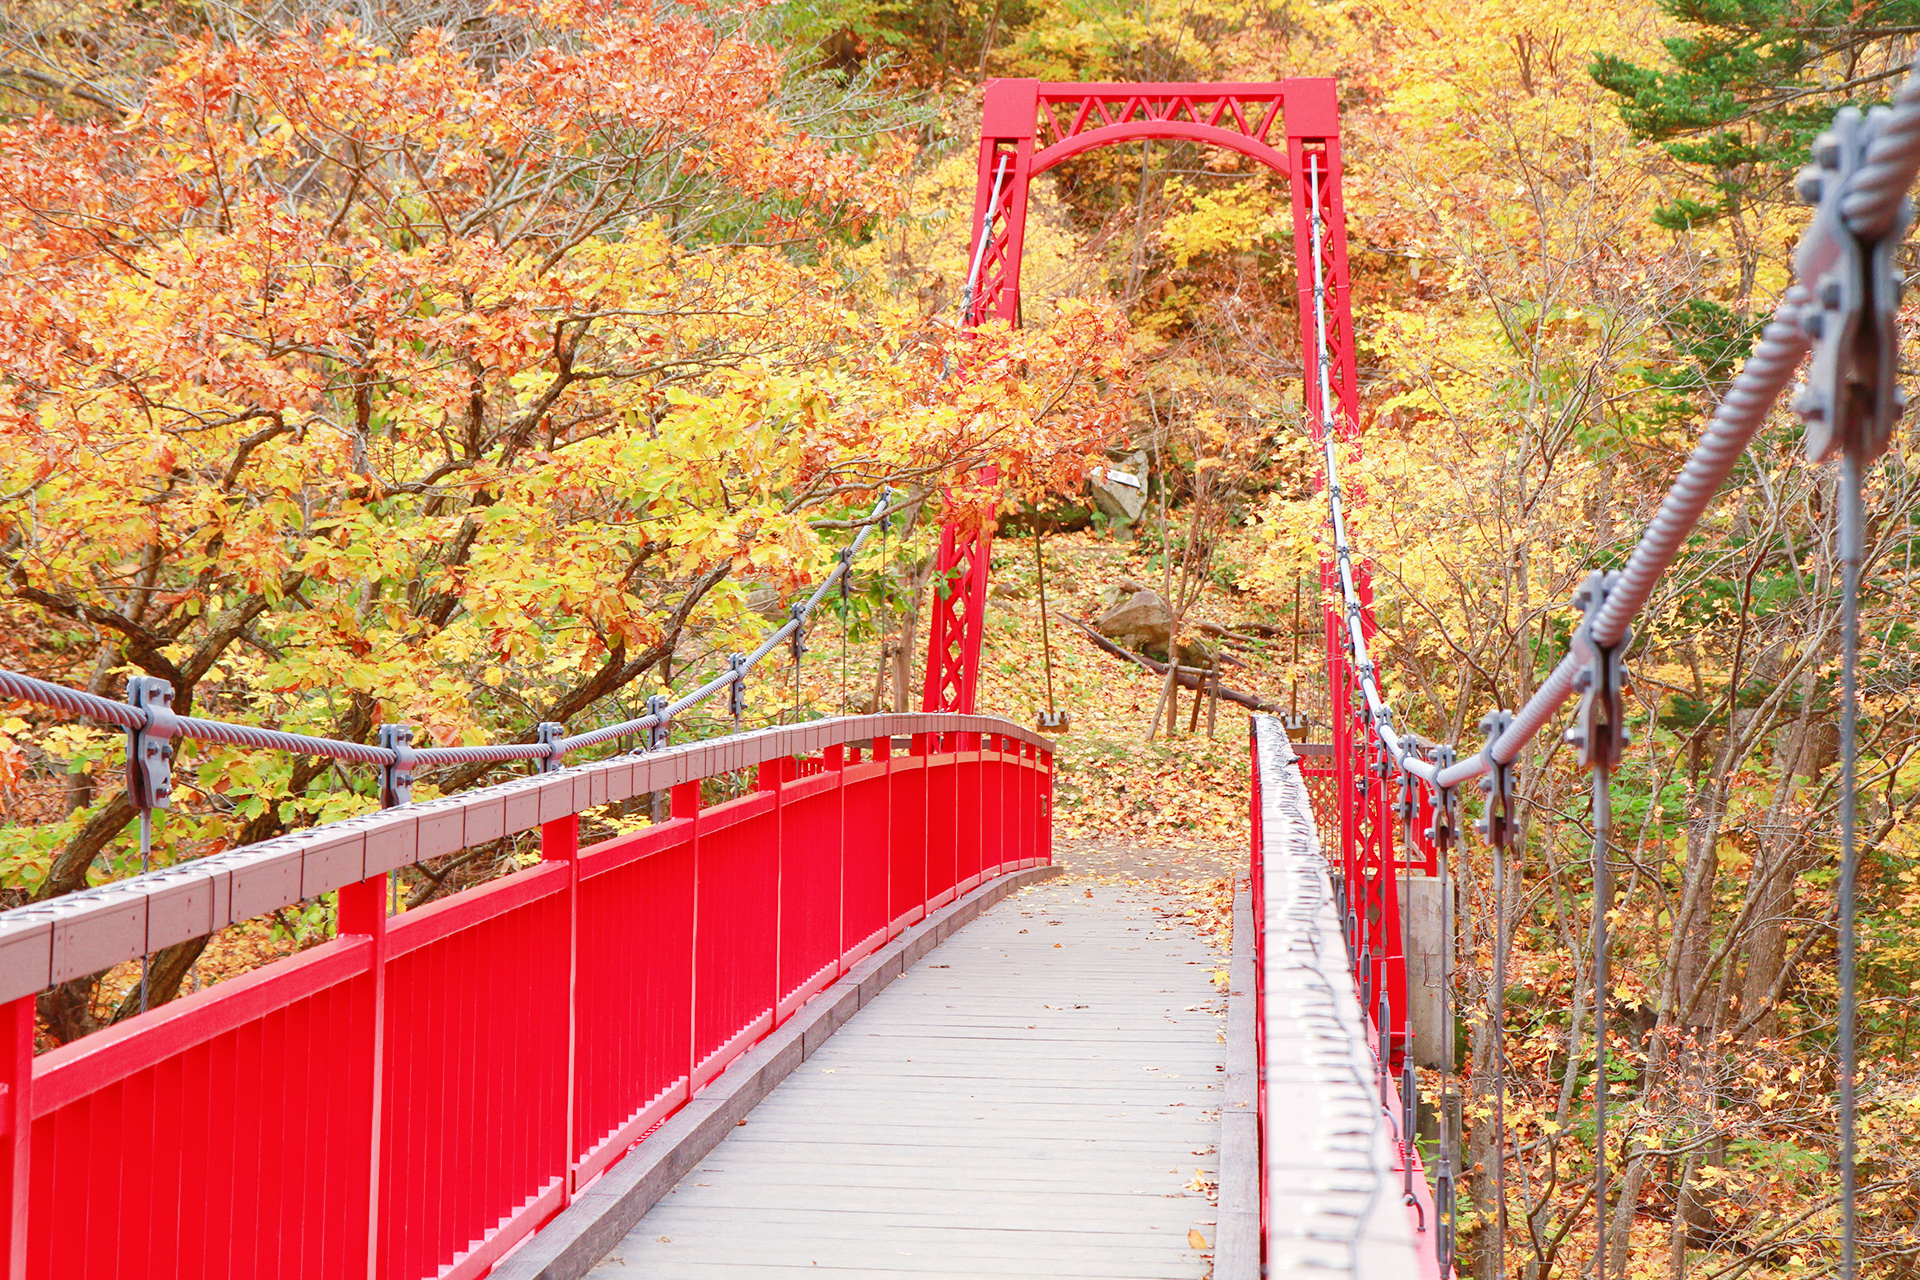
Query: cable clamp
737,691
551,732
396,779
1496,823
150,749
1443,827
1851,398
1599,729
798,640
657,707
846,576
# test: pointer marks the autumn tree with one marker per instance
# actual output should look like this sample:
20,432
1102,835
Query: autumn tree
347,383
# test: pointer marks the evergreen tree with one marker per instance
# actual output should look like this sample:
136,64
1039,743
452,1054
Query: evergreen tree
1737,102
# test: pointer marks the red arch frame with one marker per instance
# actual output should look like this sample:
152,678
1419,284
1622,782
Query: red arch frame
1029,126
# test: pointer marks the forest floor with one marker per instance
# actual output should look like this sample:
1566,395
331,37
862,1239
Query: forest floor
1184,791
1168,815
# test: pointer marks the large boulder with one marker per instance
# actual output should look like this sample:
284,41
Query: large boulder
1120,489
1139,621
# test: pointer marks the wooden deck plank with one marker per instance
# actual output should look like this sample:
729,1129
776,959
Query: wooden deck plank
1008,1108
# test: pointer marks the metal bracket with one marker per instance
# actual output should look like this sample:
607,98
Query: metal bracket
1442,829
1599,728
150,750
737,691
657,736
1496,824
799,637
846,578
551,732
396,779
1851,398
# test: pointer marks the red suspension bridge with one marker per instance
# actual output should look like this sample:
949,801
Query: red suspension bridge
515,1080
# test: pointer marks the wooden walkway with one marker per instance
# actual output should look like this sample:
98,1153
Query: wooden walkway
1035,1098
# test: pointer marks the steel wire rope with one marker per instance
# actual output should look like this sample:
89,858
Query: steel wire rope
1327,430
1869,203
1850,520
1444,831
1602,896
1502,858
75,702
1409,1103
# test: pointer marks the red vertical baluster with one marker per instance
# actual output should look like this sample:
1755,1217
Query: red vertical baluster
883,752
686,804
1029,803
767,778
168,1138
923,747
279,1109
836,763
560,842
1046,805
363,910
16,1075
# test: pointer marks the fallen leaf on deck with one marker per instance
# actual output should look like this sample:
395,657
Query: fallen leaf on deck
1194,1239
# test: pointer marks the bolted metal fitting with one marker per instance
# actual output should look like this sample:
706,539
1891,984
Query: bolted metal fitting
1599,729
1442,829
150,749
657,736
798,640
551,732
1495,824
396,779
737,691
1850,289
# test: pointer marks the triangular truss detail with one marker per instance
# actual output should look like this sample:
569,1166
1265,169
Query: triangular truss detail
1067,112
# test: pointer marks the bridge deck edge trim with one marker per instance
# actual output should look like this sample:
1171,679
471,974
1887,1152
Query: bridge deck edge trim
1236,1241
575,1241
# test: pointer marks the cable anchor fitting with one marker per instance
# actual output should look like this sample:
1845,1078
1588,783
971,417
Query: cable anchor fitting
657,707
1496,823
1444,824
737,691
396,779
1851,398
1599,729
150,749
551,733
798,640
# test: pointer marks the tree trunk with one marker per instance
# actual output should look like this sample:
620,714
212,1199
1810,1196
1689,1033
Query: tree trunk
1785,852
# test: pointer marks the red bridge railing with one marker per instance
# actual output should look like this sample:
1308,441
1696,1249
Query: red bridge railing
416,1096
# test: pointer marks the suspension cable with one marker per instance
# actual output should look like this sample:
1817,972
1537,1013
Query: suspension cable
151,724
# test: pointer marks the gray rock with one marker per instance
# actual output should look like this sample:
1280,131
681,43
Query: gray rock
1141,619
1120,488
